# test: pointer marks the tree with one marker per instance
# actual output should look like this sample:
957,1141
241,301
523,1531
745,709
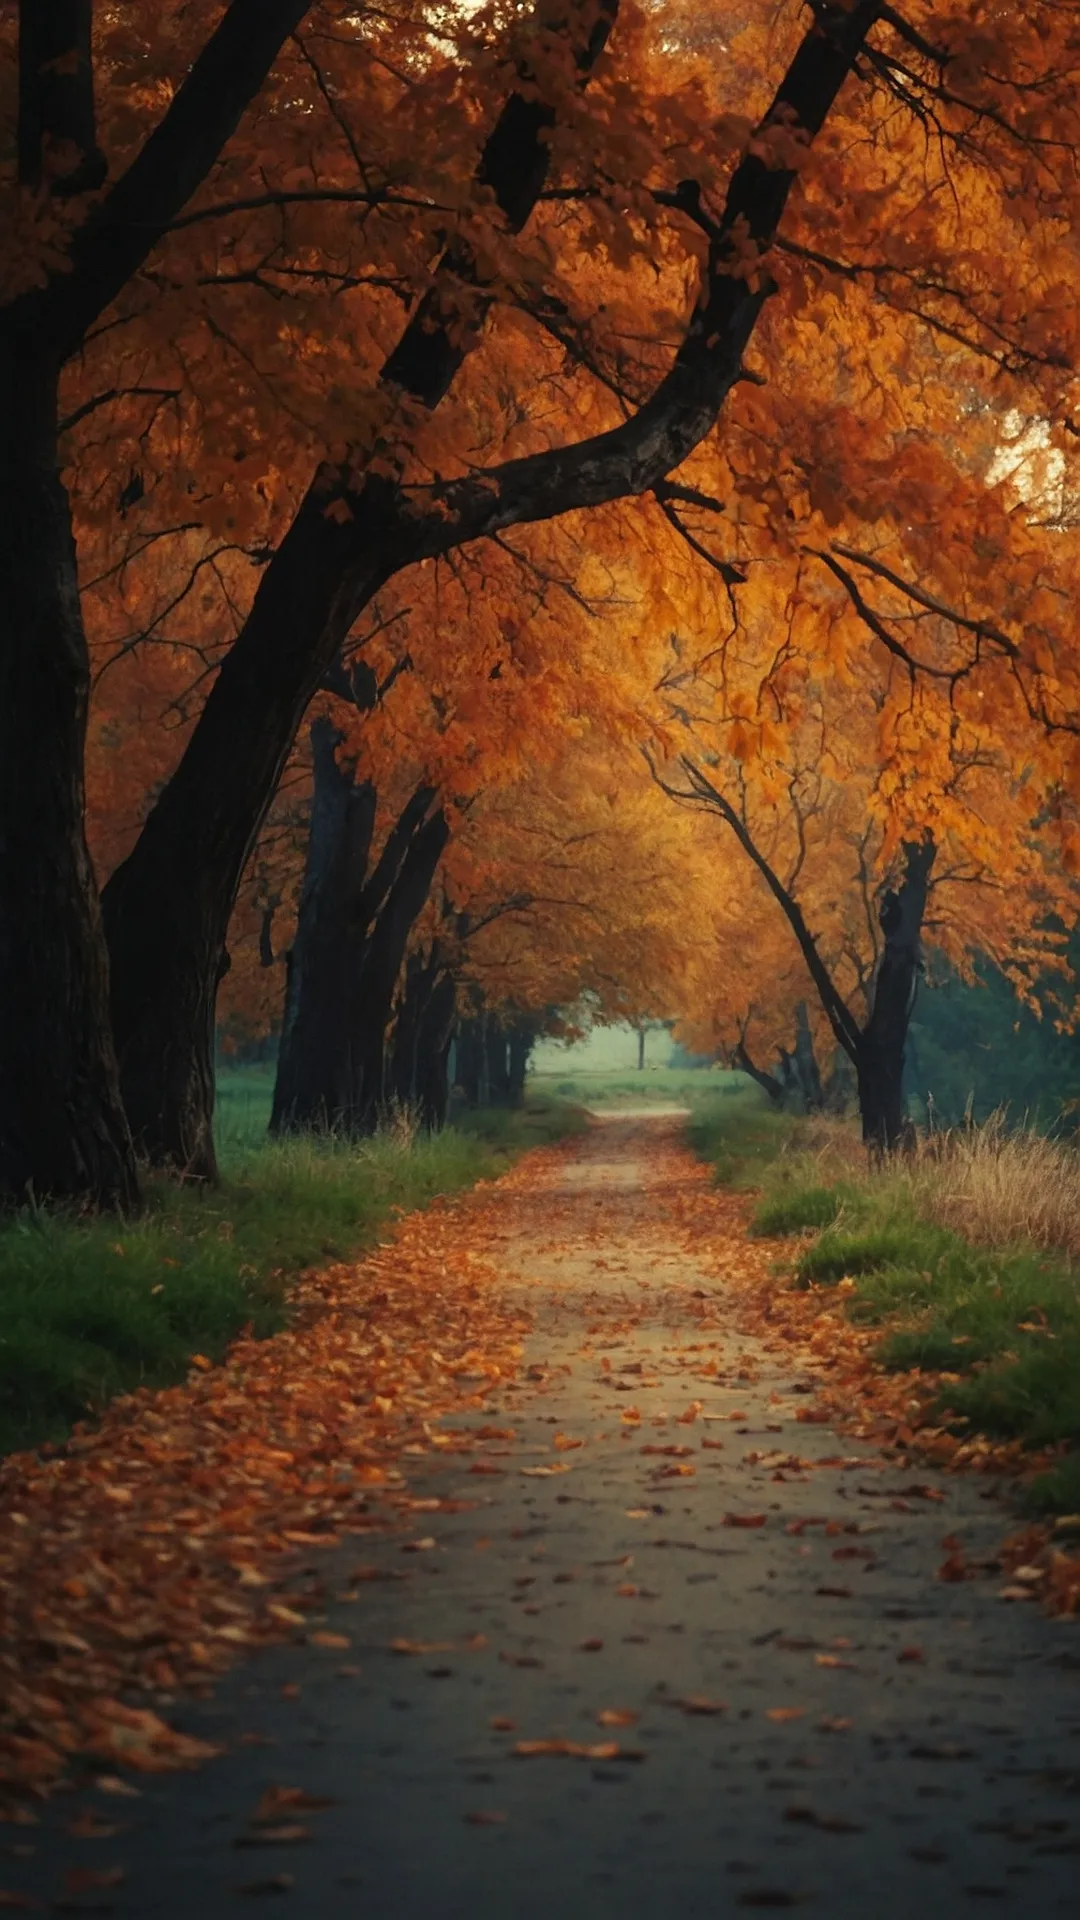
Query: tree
62,1128
861,849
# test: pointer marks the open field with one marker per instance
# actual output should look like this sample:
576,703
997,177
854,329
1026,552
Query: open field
700,1089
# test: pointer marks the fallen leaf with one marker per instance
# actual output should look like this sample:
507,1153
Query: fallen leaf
744,1519
277,1799
616,1717
284,1834
779,1714
501,1723
91,1879
333,1640
545,1473
591,1646
700,1703
824,1822
89,1825
567,1749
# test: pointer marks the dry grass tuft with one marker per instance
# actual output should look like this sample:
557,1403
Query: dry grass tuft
998,1185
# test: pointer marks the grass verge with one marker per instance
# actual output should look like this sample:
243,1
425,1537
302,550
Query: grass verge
963,1256
93,1308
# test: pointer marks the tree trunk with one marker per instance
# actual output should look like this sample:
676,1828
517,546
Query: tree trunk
167,907
804,1061
766,1081
412,1001
469,1072
431,1084
420,1048
433,1078
313,1073
521,1037
63,1134
372,994
880,1060
352,928
497,1058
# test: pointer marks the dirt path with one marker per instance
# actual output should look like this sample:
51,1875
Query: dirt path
887,1745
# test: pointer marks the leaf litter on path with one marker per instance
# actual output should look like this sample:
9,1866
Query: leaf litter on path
121,1569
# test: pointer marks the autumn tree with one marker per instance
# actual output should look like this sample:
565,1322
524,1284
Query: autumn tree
873,814
71,249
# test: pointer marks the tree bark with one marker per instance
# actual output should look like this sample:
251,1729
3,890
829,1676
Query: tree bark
433,1053
496,1054
521,1039
311,1088
804,1060
62,1127
373,997
768,1082
421,1040
57,133
880,1061
354,920
167,908
63,1134
469,1063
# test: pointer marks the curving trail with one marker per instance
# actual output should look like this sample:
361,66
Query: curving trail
665,1644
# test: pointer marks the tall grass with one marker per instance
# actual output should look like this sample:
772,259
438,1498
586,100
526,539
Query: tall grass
964,1253
998,1184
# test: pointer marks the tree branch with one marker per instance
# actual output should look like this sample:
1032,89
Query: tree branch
171,165
840,1018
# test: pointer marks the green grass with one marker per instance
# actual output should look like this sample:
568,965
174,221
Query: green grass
741,1135
802,1207
93,1308
1003,1319
685,1086
1059,1490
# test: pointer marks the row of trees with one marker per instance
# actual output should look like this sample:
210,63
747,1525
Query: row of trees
729,417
